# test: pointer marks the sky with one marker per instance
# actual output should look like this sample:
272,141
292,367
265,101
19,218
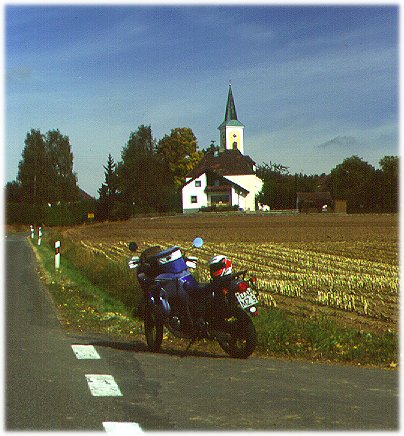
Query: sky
312,85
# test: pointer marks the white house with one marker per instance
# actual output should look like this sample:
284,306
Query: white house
224,176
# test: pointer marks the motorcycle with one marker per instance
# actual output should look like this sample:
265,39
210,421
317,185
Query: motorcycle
218,310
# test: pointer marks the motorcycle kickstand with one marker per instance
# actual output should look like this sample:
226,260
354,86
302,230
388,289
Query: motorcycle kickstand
191,342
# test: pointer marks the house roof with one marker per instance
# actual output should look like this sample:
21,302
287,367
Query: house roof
222,188
226,163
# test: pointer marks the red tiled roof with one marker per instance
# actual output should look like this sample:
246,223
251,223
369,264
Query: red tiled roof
226,163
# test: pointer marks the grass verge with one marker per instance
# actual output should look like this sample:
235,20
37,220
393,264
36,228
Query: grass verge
320,338
93,294
83,306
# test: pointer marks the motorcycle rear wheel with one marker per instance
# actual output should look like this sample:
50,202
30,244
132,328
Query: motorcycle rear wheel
243,335
153,328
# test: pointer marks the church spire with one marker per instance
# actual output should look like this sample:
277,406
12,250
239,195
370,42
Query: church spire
231,130
231,113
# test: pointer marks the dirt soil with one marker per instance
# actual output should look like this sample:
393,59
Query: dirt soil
265,228
247,228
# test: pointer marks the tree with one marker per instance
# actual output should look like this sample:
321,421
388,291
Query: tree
354,180
179,151
107,205
142,174
13,192
390,181
275,191
35,170
61,158
45,172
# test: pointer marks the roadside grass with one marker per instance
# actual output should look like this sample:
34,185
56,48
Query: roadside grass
83,306
320,338
95,294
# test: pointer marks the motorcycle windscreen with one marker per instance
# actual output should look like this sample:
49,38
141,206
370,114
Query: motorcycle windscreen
172,261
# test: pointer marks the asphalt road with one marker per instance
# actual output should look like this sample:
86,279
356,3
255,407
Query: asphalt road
49,388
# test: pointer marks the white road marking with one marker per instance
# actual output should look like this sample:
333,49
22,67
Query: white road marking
122,427
103,385
85,352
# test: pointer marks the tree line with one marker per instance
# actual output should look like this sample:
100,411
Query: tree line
365,188
150,175
148,179
45,189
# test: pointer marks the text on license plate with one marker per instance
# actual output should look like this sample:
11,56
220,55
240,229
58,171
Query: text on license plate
246,298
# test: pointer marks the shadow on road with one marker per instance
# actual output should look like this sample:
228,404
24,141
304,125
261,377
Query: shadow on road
173,348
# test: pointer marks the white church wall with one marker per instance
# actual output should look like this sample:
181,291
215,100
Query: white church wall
238,199
252,184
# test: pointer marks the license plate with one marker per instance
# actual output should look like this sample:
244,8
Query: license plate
246,298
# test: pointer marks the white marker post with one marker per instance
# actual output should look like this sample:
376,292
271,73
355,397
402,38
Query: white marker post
32,231
39,235
57,255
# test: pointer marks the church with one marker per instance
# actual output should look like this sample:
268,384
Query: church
224,176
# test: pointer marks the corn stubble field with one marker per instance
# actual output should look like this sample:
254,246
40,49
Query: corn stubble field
342,266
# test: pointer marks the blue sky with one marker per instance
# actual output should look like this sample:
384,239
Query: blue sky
312,84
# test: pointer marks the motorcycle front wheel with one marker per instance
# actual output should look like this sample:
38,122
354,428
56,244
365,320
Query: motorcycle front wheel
243,336
153,328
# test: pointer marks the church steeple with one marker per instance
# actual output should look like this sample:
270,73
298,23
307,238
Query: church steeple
231,130
231,113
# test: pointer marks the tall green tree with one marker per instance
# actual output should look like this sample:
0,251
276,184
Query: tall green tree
107,204
390,183
45,172
36,173
179,150
13,193
61,157
142,174
354,180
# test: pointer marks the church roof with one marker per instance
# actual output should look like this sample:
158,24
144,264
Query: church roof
226,163
230,116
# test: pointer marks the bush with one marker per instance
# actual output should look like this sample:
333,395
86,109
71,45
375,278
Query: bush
63,214
219,208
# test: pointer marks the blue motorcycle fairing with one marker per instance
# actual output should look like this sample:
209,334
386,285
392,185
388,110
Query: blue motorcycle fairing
159,301
176,285
173,286
165,305
171,261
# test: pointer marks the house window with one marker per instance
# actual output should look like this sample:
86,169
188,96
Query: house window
216,183
198,183
220,199
194,199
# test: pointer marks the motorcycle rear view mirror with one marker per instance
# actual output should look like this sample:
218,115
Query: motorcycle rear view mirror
133,246
197,242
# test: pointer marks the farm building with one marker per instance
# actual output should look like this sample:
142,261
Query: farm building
224,176
313,201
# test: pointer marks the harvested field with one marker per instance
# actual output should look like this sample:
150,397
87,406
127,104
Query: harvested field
342,266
